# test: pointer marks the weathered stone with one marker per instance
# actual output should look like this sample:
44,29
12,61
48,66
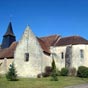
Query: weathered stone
28,44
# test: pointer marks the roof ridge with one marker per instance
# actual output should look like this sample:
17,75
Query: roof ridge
72,36
49,35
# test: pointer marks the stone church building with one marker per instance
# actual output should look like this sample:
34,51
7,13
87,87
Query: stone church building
32,54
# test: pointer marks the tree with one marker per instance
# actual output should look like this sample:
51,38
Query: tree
54,72
12,74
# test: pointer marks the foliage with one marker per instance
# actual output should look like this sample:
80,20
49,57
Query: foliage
11,74
64,72
53,65
54,72
46,73
72,72
82,72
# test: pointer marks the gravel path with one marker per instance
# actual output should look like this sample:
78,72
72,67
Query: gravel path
78,86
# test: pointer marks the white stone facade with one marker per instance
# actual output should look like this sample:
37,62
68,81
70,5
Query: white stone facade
71,56
35,64
78,58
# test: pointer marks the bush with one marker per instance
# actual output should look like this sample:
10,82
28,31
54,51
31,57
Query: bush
54,76
64,72
47,72
82,72
72,72
11,74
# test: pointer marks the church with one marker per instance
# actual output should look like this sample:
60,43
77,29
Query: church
32,54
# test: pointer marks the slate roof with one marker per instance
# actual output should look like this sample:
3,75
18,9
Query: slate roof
71,40
9,30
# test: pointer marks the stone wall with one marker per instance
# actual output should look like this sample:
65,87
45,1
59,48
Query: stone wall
35,65
77,60
71,55
5,65
56,54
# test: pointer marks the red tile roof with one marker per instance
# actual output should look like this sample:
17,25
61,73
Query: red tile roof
73,40
8,52
43,45
50,40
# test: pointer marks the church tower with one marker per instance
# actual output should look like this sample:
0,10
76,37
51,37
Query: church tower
8,38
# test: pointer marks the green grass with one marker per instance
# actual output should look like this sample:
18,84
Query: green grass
42,82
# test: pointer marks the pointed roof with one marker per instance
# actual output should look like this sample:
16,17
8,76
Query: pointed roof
50,40
9,30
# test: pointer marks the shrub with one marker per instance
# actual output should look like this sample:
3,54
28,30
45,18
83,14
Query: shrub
54,73
72,72
82,72
39,75
47,72
11,74
64,72
54,76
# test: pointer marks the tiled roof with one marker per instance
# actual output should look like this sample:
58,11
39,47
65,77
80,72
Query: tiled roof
50,40
8,52
43,45
73,40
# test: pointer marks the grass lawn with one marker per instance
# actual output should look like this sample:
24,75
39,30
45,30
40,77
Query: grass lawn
42,82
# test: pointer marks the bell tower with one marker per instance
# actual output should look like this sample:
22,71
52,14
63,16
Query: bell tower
8,38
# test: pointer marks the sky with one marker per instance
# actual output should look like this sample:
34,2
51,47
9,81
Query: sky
45,17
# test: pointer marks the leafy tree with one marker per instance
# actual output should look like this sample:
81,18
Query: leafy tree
54,72
12,74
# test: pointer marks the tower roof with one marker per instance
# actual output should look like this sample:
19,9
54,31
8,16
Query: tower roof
9,30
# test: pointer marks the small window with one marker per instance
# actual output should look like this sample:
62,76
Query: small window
81,53
62,55
26,56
